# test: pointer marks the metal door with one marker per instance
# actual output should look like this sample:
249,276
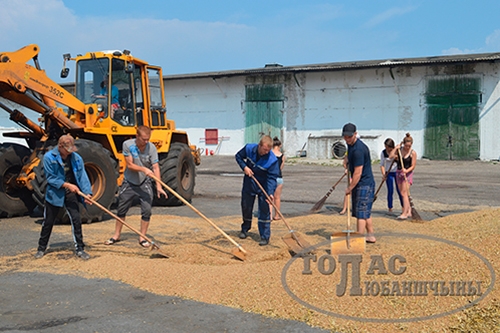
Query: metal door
452,127
263,111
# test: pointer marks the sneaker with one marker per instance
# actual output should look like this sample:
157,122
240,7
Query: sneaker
82,254
242,235
39,254
263,242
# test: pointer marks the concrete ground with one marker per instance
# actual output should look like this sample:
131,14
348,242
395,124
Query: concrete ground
41,302
440,187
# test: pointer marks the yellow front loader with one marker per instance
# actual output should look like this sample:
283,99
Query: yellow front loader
114,93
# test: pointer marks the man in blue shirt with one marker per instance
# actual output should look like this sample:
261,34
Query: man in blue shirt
362,185
115,95
65,173
259,161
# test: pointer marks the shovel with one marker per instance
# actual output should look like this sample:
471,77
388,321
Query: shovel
153,244
294,240
347,241
239,253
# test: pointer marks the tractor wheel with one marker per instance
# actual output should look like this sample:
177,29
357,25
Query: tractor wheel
102,172
39,183
177,170
14,200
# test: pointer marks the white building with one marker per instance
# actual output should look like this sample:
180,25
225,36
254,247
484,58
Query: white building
449,105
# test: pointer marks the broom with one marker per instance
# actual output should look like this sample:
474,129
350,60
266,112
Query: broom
414,214
320,203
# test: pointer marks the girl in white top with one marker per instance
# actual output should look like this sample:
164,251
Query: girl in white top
388,168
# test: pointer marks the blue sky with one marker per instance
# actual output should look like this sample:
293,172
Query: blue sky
201,36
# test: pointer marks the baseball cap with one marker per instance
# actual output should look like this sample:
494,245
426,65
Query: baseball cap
68,143
349,129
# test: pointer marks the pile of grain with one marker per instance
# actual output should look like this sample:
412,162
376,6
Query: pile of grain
202,268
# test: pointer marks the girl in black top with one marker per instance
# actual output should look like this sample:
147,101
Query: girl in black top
281,162
404,174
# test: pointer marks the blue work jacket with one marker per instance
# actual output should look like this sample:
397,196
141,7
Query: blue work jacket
265,168
53,166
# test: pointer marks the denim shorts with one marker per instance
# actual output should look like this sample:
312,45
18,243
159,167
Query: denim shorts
362,201
279,180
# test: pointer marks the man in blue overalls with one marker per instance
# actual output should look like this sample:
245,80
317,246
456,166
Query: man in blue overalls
259,161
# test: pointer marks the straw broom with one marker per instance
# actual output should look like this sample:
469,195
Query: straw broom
317,206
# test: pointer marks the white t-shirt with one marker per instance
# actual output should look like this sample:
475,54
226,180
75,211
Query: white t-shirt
386,162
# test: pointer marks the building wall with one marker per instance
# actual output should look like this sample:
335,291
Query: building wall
317,104
489,116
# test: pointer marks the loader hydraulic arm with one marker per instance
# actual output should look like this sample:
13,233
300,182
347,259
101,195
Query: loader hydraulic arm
30,87
19,118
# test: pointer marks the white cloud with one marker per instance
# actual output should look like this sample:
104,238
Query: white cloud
493,41
491,44
168,43
387,15
28,18
456,51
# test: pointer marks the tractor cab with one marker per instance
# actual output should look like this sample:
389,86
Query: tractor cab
122,88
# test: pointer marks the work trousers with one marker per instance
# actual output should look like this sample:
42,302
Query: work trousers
50,214
390,181
264,217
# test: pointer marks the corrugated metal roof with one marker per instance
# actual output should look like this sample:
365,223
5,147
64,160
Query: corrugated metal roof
334,66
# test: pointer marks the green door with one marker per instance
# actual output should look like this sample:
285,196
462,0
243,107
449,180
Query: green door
263,111
452,126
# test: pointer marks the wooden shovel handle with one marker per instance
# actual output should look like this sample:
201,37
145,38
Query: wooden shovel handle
117,218
278,211
178,196
271,201
348,196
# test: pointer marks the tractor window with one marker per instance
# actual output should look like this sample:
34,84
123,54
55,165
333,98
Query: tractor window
139,102
89,81
129,105
154,88
157,109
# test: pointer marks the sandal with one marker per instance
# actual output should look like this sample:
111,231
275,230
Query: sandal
144,243
370,238
111,241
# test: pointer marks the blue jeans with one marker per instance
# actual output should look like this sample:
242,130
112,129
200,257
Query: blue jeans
390,181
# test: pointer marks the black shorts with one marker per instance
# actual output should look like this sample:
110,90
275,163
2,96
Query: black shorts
128,192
